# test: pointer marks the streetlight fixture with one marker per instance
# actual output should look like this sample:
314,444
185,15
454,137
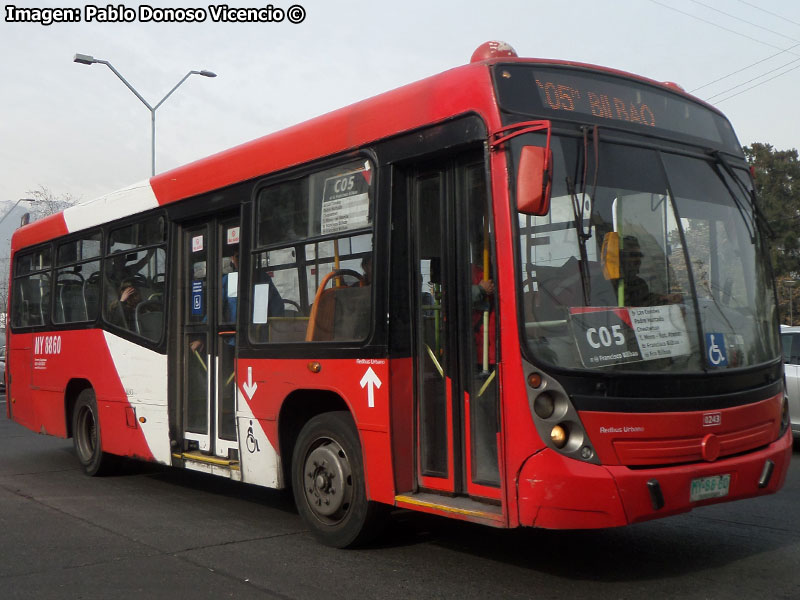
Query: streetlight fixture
85,59
15,206
790,283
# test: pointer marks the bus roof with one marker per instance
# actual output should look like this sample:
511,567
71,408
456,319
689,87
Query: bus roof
460,90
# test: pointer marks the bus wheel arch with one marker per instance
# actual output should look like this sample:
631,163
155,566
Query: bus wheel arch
297,409
329,484
86,436
71,393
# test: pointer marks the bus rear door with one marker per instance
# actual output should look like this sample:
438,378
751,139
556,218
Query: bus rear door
209,257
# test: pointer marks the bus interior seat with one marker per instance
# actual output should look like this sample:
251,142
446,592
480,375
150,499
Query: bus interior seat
149,319
342,314
91,295
34,296
71,304
291,327
557,288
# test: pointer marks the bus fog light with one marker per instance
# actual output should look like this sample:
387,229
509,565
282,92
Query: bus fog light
558,435
544,406
586,453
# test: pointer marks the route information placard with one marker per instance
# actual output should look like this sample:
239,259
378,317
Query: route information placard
609,336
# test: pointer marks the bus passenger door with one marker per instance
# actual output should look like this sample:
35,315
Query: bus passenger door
210,252
457,421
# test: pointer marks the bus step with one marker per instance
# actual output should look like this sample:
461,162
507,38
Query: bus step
197,456
458,507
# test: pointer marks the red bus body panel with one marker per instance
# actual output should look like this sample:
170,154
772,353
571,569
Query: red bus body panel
277,379
539,487
37,392
669,448
556,492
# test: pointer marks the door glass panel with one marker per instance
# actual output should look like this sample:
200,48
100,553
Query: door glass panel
196,278
196,337
229,299
482,360
227,391
197,384
432,321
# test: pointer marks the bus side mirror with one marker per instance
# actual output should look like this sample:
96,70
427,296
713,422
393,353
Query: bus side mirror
534,180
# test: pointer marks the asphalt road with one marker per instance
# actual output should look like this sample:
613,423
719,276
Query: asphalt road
152,532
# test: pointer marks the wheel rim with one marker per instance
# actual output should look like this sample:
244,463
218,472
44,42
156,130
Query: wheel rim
86,434
328,481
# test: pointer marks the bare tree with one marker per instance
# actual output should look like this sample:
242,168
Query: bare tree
48,202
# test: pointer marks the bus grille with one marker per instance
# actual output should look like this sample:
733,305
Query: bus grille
685,450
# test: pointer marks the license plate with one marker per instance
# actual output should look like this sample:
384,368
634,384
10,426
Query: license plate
704,488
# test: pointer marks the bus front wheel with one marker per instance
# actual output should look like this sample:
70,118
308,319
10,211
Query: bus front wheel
86,435
328,482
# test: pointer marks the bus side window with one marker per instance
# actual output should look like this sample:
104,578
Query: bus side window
305,285
31,289
32,294
135,278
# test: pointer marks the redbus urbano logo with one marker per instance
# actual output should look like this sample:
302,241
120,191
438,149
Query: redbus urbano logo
712,419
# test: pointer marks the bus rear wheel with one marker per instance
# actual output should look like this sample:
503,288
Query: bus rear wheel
86,436
328,482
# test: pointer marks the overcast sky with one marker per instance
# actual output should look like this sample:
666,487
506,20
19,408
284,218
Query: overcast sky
77,130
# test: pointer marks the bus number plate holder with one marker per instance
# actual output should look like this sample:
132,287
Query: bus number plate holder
716,486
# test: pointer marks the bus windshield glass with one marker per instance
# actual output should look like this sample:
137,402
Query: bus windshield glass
647,261
608,100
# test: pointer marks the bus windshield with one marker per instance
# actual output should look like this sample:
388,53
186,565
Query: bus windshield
647,261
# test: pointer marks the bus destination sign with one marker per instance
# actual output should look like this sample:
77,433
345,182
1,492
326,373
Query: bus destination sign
631,108
582,95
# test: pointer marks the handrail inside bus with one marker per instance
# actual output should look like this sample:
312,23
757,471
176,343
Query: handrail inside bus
435,362
555,323
200,358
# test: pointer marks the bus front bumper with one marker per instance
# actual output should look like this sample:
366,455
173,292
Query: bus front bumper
556,492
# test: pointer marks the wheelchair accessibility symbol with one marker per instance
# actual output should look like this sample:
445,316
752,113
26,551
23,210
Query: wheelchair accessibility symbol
715,350
252,442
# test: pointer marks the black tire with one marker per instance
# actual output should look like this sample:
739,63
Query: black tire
86,436
327,452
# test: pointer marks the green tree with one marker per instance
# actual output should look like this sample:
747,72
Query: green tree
777,180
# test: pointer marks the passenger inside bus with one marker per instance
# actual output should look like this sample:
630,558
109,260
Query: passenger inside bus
636,290
366,266
122,310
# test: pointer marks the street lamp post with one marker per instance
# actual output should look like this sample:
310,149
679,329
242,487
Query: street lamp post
85,59
789,284
15,206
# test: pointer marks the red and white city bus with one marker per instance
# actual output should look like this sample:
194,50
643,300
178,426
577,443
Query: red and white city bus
521,292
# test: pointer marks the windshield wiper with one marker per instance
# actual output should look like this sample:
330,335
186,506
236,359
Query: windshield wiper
757,219
579,207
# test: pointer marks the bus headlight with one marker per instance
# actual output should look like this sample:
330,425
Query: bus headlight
558,435
557,422
544,406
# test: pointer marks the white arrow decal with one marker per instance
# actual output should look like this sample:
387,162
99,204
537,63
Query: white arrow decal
249,387
370,379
